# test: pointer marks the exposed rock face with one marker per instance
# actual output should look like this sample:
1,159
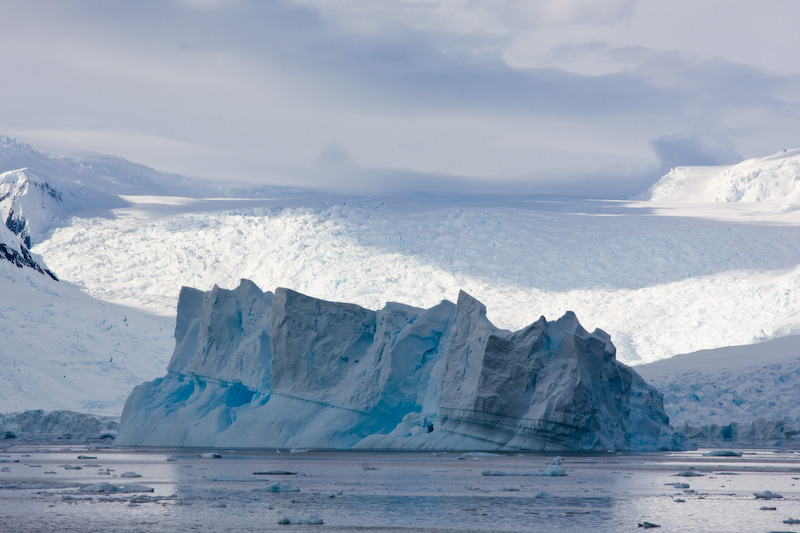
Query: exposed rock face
287,370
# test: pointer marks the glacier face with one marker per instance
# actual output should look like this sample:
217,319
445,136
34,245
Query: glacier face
255,369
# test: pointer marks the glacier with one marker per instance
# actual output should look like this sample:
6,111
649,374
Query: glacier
263,369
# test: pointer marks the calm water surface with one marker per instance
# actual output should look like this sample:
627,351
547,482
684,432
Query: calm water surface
40,490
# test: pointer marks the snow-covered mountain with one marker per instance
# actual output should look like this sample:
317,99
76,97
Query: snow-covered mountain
103,174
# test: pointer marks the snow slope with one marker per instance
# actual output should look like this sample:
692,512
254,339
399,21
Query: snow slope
774,179
62,349
287,370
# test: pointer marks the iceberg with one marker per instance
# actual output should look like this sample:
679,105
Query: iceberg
285,370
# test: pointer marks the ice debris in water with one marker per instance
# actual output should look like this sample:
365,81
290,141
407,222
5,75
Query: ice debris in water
281,486
130,474
723,453
553,469
313,519
767,495
678,485
647,525
108,487
792,521
689,473
292,371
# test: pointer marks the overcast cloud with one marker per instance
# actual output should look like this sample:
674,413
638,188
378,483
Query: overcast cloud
557,96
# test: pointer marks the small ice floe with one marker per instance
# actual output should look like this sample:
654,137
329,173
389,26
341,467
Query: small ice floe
767,508
553,469
792,521
280,486
509,489
130,474
678,485
108,487
298,450
313,519
679,500
37,466
275,473
71,467
689,473
210,455
480,454
723,453
220,505
68,498
87,457
91,466
647,525
544,495
5,469
104,473
767,495
50,472
369,467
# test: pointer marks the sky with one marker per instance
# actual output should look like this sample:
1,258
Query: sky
573,97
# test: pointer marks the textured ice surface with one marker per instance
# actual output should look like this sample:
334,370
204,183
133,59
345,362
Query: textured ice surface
287,370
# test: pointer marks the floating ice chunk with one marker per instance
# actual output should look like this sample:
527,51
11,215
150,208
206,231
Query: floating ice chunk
313,519
496,473
87,457
130,474
765,508
108,487
767,495
678,485
71,467
280,486
792,521
444,378
480,454
275,473
553,469
647,525
689,473
210,455
723,453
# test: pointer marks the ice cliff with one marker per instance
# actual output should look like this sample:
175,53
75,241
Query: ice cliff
255,369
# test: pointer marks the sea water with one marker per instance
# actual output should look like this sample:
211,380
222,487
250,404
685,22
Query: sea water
299,490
